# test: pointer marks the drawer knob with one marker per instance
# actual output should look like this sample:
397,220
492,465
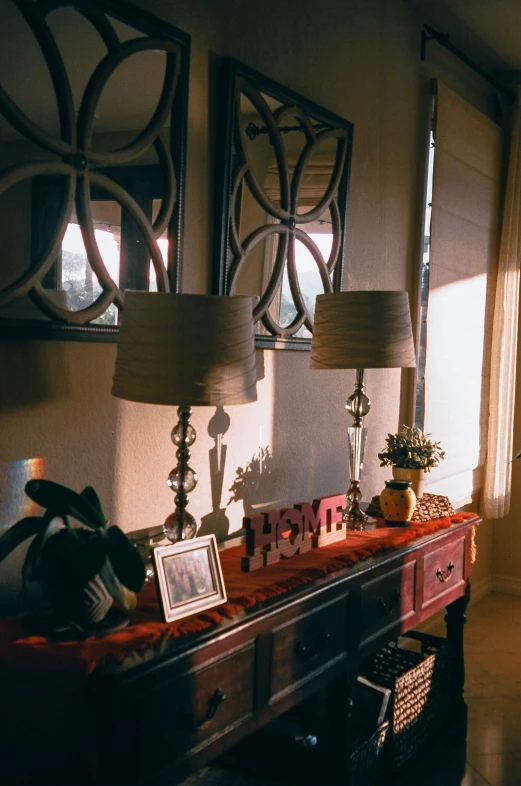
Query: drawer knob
214,702
390,604
312,651
443,577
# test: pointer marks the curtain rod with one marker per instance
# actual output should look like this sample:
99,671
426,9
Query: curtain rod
430,34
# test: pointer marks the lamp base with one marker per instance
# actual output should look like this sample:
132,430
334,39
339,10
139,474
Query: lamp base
181,525
357,524
353,515
358,405
356,520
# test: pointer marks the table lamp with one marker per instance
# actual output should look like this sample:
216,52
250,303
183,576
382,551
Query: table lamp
185,350
361,330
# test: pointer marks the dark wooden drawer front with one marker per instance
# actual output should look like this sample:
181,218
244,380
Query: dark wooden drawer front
443,570
307,645
194,709
387,601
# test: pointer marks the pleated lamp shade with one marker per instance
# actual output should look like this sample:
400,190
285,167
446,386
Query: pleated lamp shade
186,350
362,330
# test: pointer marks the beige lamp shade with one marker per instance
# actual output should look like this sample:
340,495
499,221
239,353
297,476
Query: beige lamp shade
186,350
362,330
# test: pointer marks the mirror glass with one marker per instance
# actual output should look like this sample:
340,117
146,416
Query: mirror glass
92,140
285,177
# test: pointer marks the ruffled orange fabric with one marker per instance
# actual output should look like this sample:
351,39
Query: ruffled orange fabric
244,590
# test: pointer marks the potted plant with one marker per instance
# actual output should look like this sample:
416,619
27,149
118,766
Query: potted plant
411,454
82,566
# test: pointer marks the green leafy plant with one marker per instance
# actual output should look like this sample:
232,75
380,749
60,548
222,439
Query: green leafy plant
67,556
411,449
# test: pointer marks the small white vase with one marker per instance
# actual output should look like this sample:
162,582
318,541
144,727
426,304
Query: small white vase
416,478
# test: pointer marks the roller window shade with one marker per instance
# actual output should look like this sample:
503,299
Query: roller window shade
463,263
314,183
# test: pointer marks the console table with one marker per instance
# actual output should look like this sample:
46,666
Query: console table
166,711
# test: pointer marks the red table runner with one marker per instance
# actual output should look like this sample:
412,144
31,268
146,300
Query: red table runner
244,590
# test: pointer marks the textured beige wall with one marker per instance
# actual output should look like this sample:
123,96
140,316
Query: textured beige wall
359,59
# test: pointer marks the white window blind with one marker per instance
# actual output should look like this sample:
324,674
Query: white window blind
462,265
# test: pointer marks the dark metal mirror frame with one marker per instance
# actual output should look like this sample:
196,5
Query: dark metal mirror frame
232,171
85,167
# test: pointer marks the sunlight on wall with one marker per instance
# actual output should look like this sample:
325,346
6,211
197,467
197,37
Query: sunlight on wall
225,442
250,448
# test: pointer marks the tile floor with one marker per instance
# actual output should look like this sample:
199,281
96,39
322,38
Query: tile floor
493,694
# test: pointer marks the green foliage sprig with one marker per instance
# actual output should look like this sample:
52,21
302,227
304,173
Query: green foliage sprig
411,449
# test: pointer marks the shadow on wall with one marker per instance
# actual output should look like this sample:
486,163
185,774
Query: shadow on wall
249,484
255,483
26,379
217,522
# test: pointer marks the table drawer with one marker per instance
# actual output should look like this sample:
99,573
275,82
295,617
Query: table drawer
307,645
179,716
443,570
387,601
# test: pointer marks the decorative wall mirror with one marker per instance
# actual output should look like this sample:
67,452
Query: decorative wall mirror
282,180
93,108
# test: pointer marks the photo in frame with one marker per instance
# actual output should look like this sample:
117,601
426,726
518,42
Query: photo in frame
188,577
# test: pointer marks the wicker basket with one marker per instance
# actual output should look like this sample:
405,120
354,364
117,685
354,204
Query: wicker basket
365,760
420,684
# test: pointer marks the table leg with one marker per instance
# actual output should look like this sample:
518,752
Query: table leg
455,620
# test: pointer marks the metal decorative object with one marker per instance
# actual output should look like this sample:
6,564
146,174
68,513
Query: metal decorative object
73,165
282,181
252,131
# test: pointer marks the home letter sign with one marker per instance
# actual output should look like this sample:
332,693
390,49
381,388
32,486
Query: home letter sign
290,531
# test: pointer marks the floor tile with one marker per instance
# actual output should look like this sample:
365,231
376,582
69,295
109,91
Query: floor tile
449,769
472,778
494,726
499,769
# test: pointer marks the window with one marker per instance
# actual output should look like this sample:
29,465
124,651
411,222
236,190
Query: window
458,282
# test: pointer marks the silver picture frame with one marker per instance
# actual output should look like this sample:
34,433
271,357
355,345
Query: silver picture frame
189,577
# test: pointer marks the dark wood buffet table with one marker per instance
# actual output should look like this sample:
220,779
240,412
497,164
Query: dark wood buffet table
167,709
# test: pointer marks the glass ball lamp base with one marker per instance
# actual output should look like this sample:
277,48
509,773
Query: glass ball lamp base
180,527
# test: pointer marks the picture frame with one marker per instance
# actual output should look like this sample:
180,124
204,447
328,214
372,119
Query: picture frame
189,578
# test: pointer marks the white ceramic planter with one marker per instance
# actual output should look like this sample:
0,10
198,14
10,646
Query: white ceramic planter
416,478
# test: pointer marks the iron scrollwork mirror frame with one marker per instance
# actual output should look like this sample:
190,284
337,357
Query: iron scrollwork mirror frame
281,112
72,155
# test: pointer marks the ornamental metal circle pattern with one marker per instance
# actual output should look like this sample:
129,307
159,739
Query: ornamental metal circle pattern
288,216
72,155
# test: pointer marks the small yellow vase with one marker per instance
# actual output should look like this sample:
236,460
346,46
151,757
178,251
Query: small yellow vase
398,502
